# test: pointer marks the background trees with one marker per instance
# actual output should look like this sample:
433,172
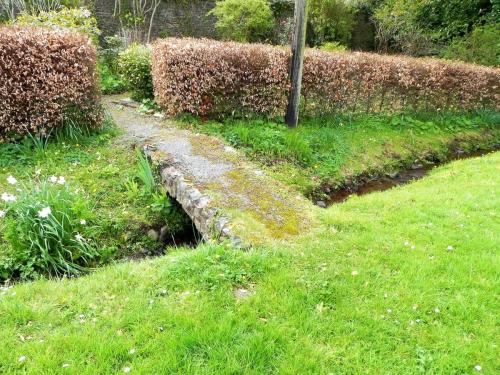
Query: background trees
453,29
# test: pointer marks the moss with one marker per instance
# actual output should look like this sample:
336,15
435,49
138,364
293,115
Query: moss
261,209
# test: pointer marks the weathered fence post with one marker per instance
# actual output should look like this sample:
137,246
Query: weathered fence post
298,46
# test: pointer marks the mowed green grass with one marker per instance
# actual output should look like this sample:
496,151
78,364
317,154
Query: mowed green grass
400,282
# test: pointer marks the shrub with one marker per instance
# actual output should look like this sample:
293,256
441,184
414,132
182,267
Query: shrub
76,19
134,65
44,227
422,27
330,21
482,46
364,82
110,50
217,78
111,83
47,78
243,20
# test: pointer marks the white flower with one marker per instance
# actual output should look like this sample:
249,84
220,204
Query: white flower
478,367
86,13
354,273
8,197
38,172
2,214
53,179
22,358
437,311
450,248
61,180
11,180
126,370
79,237
44,213
132,351
83,222
66,365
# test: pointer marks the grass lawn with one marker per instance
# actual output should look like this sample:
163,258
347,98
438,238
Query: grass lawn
105,172
399,282
333,152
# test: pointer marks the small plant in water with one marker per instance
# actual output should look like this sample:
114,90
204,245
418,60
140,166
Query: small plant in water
44,225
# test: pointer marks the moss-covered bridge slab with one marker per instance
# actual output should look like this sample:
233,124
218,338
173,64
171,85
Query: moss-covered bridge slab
225,195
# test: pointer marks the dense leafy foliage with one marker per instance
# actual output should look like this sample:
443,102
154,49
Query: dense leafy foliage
330,21
134,66
423,27
243,20
481,46
221,79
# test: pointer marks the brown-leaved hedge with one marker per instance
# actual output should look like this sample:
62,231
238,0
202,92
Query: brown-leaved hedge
47,77
212,78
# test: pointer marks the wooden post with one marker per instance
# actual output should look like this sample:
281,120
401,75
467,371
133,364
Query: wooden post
298,46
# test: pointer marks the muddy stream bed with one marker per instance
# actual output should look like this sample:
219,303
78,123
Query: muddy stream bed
380,183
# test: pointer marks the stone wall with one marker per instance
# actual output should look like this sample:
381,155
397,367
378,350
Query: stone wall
173,18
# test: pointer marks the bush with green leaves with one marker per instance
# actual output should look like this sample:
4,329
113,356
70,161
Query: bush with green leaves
423,27
134,66
243,20
111,82
330,21
76,19
481,46
44,229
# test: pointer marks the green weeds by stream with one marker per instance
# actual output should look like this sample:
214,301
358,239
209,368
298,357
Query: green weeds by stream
334,151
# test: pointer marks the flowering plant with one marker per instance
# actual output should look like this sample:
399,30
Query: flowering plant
44,224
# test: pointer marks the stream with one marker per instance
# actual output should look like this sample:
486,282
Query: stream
381,183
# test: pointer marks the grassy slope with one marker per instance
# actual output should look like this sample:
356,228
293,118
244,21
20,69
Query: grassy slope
309,314
337,151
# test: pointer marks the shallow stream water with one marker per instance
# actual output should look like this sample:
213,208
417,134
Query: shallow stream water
416,172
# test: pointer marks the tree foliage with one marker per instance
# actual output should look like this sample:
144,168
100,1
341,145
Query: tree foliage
330,21
243,20
423,27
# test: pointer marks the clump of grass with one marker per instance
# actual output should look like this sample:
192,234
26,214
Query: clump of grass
160,203
145,172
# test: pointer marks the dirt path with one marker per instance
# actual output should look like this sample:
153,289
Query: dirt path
223,193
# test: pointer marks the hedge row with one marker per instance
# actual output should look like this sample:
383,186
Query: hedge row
202,76
207,77
47,77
